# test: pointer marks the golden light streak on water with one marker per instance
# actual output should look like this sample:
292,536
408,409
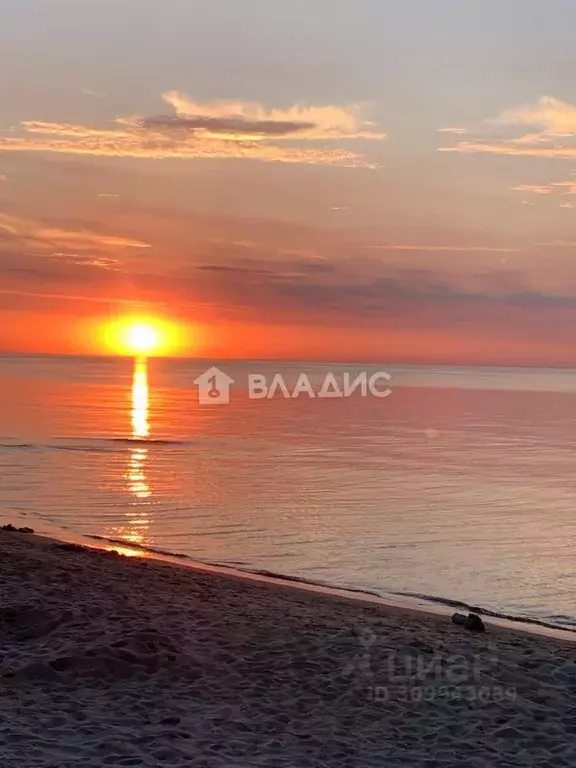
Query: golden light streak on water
136,530
140,399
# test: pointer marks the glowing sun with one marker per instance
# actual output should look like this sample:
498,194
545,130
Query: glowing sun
141,336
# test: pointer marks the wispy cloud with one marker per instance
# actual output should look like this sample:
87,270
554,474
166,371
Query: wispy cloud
552,132
453,129
80,247
558,244
535,189
58,296
82,260
508,148
554,117
93,93
562,187
244,119
217,129
569,186
86,239
439,248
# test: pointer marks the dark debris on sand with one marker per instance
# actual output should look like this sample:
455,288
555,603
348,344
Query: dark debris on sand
13,529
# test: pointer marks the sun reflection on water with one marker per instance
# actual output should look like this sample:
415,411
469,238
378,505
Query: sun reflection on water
140,399
136,529
136,475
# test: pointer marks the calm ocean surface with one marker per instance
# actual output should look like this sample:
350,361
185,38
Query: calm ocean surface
461,485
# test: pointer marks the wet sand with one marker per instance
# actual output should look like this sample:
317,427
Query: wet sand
115,661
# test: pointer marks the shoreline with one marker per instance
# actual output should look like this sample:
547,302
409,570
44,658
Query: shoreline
411,604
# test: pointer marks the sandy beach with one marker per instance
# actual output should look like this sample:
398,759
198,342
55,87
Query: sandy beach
109,660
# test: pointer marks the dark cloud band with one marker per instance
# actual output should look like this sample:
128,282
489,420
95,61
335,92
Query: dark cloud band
225,125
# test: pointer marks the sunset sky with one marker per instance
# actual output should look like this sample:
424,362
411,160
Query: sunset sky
321,179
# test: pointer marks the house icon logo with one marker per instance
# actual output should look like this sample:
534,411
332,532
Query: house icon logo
214,387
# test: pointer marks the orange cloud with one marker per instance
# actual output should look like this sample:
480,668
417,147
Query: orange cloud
509,148
302,122
439,248
548,189
61,242
553,116
570,186
553,130
219,129
87,239
455,130
558,244
79,260
144,144
535,189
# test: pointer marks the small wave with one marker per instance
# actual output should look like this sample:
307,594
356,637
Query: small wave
494,614
234,566
556,622
562,623
112,446
147,441
77,448
137,547
302,580
93,445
